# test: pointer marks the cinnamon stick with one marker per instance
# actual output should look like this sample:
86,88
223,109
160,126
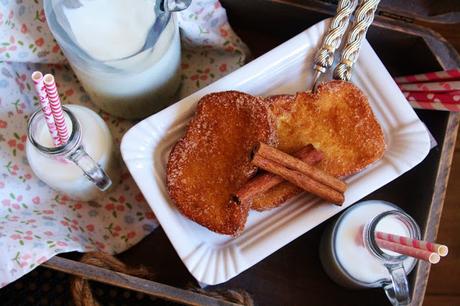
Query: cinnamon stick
293,163
299,179
265,181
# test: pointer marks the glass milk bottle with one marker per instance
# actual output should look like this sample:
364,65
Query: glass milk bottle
351,257
125,53
83,167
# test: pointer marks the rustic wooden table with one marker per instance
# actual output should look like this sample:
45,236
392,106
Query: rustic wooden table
443,285
293,275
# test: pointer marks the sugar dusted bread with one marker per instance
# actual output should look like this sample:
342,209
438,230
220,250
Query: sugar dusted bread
337,120
212,160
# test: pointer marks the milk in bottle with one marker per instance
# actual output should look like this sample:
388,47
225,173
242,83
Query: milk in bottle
125,53
54,165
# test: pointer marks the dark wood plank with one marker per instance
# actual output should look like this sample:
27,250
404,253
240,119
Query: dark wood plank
444,276
442,300
434,215
132,283
443,285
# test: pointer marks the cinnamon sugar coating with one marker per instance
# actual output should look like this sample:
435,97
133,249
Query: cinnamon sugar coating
212,160
337,120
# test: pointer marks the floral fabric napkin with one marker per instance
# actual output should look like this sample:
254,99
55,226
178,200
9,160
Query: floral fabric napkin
35,222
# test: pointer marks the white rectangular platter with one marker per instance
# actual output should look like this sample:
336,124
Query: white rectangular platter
212,258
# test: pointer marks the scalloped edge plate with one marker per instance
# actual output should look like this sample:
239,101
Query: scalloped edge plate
212,258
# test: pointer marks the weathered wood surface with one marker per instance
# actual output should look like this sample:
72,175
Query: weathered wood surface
293,275
434,215
132,283
443,284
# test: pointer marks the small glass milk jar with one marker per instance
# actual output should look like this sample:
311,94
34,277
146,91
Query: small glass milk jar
83,167
125,53
351,257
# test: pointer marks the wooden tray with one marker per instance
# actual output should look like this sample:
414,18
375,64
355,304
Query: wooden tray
293,275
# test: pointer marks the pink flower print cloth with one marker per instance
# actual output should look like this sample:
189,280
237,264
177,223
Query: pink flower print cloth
35,222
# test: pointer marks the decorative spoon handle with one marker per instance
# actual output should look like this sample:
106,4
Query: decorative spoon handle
363,19
325,56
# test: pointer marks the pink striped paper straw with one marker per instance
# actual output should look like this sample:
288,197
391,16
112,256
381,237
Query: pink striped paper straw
56,107
452,97
409,251
435,106
431,86
452,74
419,244
37,78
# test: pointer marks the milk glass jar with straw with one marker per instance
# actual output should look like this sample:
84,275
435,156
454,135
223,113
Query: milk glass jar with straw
352,257
81,168
125,53
70,147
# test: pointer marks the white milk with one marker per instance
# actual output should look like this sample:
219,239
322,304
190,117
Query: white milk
66,177
111,30
344,255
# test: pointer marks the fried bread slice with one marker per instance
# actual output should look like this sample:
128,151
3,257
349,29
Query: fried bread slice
212,160
337,120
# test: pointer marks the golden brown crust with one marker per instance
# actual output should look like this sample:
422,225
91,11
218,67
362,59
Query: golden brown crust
337,120
212,160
